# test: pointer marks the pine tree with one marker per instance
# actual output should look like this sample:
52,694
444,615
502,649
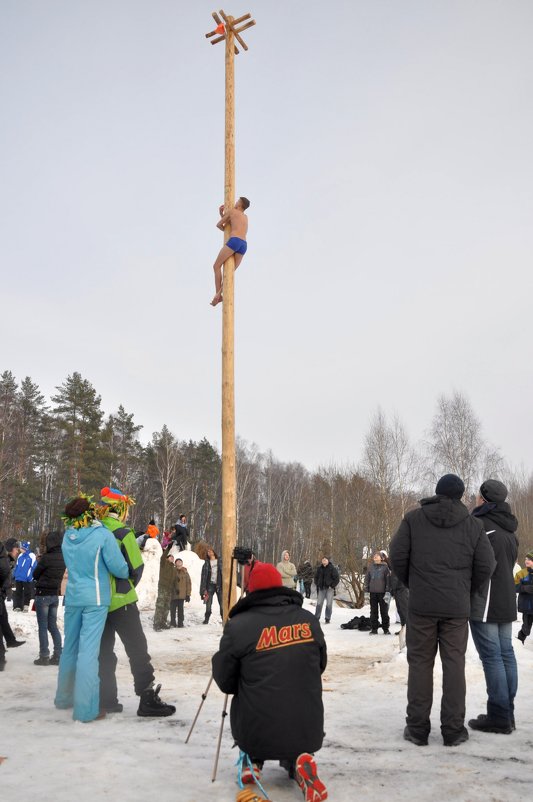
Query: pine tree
84,461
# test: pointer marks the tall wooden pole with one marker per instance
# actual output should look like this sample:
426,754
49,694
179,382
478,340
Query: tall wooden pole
229,477
228,31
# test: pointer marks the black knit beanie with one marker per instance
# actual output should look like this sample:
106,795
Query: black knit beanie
450,485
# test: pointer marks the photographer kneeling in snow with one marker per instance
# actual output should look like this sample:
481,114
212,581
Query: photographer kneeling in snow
277,711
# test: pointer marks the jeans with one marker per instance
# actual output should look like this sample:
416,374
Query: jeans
46,609
211,590
495,648
324,594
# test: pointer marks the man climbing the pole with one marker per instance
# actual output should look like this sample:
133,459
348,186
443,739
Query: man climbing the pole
236,244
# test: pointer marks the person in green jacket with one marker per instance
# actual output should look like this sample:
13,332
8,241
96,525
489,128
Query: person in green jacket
123,618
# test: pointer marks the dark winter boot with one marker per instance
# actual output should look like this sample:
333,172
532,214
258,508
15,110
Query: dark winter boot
115,707
417,740
373,632
54,660
151,705
12,644
42,661
2,664
456,739
206,620
484,723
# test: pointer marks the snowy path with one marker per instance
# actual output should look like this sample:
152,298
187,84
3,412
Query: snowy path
125,757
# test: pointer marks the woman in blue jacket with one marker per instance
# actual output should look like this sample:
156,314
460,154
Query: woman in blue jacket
91,554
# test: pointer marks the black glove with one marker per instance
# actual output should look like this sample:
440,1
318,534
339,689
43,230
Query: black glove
187,598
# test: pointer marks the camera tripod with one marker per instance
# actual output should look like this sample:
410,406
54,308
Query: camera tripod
243,557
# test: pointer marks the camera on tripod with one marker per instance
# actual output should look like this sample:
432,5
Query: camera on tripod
243,555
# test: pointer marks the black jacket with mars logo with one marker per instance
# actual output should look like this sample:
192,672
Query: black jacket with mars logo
271,657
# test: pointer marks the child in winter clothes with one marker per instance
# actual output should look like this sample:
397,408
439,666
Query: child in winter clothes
23,576
181,592
524,587
377,586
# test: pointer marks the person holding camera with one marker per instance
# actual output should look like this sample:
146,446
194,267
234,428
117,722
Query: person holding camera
277,711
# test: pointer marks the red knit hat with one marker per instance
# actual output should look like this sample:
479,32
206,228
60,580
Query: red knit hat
262,576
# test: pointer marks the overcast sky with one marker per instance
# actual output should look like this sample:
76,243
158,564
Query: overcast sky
386,151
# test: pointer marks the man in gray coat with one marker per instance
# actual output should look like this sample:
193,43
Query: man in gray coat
442,554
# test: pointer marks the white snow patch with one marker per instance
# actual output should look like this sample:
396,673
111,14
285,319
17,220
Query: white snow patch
51,757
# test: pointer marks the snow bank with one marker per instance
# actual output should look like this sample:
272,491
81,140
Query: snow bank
364,754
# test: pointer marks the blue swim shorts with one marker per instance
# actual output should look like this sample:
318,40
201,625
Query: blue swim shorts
237,245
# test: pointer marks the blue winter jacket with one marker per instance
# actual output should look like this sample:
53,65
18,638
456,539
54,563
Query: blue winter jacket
91,554
25,564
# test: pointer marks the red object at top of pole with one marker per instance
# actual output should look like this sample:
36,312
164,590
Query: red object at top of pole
220,28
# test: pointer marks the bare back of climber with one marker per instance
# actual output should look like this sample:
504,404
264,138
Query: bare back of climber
236,244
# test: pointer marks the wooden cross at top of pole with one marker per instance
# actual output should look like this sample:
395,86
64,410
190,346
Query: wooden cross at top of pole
229,24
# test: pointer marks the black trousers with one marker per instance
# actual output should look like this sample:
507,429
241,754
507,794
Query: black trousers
176,604
377,600
424,636
527,621
126,623
5,628
23,594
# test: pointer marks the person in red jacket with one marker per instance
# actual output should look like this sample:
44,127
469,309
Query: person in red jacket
271,657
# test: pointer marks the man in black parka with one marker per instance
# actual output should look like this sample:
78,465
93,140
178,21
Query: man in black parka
494,610
271,657
442,554
9,552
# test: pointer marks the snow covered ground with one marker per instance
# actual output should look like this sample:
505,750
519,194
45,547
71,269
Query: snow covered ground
50,757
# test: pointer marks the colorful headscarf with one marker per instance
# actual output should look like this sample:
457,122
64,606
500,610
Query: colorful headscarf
117,501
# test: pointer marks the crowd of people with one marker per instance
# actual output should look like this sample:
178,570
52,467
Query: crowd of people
450,571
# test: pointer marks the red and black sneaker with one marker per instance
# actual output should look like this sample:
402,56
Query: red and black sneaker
250,774
307,778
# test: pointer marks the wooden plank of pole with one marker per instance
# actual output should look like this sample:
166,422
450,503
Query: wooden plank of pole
241,19
216,18
240,41
244,27
229,491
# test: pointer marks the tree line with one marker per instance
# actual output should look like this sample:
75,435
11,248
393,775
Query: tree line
50,450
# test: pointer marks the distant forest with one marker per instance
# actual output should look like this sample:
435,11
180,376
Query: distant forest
49,450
